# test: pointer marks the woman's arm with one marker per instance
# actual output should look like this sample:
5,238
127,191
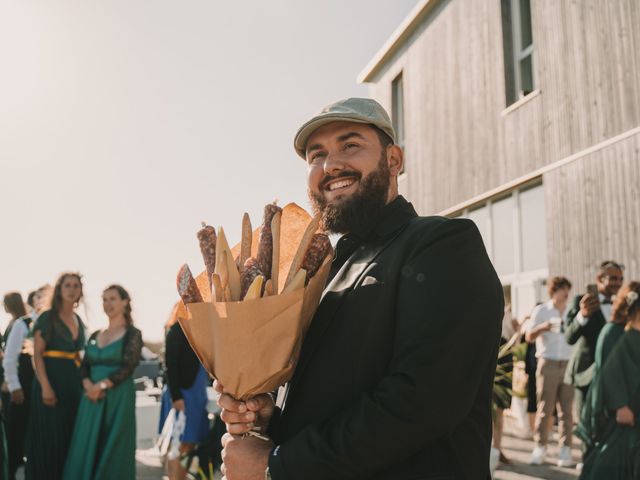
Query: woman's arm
48,395
131,359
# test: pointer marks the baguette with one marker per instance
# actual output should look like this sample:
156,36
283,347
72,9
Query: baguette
307,237
233,276
297,282
275,255
245,244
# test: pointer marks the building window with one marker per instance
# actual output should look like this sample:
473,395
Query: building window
397,110
513,227
518,49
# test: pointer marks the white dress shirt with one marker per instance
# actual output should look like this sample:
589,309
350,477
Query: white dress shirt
550,345
606,309
12,352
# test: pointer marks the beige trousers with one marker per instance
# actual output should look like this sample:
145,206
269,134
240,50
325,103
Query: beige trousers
552,391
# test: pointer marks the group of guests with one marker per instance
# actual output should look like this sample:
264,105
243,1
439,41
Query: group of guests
69,402
583,356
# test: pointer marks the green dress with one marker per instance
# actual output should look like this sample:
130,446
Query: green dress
616,451
104,440
51,428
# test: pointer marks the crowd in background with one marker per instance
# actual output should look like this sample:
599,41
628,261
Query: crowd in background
582,370
68,401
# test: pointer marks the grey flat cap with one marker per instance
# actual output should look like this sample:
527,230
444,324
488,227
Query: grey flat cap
358,110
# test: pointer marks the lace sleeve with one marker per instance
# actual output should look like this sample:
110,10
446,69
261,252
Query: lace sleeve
130,357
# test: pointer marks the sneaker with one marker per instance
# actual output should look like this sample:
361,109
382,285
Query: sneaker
564,457
538,455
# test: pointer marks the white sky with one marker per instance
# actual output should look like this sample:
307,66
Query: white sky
124,124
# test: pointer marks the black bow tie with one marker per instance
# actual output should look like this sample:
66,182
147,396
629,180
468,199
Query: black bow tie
606,301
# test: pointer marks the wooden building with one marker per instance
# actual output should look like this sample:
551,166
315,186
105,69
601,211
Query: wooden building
523,115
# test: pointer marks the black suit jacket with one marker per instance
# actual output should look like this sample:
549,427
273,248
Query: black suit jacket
584,338
395,376
181,362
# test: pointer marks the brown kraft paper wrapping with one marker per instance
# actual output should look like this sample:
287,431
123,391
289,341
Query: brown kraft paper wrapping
252,346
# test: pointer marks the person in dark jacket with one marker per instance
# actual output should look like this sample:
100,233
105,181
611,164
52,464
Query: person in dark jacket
186,392
395,376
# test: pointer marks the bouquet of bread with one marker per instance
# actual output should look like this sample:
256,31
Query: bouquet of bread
246,314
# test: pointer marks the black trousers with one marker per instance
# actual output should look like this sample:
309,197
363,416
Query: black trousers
17,419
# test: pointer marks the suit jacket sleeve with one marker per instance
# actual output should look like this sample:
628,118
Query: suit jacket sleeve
448,317
572,329
174,348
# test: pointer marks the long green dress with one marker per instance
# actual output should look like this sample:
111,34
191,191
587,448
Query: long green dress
616,452
104,439
51,428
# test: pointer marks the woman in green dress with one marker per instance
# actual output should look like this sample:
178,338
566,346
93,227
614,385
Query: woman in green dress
610,416
104,439
58,340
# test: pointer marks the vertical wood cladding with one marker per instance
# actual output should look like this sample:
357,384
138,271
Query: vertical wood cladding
593,213
460,141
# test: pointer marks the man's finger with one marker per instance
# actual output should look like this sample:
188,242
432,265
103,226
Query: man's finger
227,402
234,417
217,386
226,438
259,402
239,428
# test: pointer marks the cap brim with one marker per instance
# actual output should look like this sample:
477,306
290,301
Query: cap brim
305,131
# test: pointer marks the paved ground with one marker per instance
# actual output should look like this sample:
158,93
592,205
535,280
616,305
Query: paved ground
518,450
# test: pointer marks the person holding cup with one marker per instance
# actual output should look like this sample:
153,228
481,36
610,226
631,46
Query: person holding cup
553,353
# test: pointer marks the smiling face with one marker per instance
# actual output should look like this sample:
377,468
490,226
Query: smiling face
112,304
351,174
610,281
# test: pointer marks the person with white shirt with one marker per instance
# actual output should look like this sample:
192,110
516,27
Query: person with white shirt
586,317
19,377
553,353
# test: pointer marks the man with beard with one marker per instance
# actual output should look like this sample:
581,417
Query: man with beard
586,317
395,376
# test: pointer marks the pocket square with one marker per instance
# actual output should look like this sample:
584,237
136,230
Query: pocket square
369,280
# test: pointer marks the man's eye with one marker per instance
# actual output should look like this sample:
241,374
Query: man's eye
350,145
317,156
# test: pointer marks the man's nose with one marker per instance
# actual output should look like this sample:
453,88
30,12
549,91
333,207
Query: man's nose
333,164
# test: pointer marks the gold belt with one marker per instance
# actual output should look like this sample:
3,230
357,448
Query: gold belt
75,356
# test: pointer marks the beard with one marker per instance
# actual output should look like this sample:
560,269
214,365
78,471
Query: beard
360,211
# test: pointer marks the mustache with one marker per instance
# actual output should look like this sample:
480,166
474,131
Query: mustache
330,178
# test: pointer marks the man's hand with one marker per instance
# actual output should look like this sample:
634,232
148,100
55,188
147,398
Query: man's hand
17,397
178,405
589,305
241,417
625,416
244,458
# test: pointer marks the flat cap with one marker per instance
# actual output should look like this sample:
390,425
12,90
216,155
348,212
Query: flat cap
358,110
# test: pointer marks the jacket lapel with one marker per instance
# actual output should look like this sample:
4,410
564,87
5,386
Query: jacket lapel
334,293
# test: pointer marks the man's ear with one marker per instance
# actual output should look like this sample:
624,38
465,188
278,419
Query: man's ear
395,159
